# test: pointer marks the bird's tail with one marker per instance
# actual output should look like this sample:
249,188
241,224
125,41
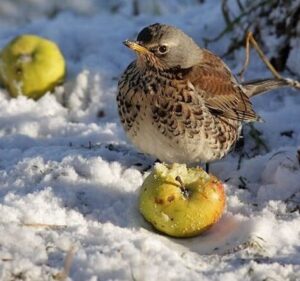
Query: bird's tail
256,87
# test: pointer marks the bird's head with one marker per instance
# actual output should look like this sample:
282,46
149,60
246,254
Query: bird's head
166,47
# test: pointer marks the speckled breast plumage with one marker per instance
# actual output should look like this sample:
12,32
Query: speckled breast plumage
164,116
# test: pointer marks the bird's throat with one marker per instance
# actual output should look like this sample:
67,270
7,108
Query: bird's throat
149,61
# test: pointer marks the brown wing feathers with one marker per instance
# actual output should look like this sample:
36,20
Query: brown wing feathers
217,86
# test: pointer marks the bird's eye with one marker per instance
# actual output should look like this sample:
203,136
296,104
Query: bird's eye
162,49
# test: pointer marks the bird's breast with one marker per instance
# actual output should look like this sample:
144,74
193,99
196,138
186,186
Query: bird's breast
166,118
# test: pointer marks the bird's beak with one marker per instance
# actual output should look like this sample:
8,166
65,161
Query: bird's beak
135,46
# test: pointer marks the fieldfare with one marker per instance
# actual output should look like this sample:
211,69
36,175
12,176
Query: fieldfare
181,103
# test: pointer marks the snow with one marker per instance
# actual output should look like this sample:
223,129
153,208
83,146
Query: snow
69,179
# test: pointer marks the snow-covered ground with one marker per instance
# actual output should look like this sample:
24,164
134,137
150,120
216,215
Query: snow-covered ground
69,179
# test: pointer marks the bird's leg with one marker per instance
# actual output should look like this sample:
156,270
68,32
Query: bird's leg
256,135
207,167
239,148
149,167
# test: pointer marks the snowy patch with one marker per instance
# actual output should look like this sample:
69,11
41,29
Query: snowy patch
69,179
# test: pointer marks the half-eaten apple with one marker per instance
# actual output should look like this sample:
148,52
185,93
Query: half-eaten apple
181,201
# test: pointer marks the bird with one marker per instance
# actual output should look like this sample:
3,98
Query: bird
179,102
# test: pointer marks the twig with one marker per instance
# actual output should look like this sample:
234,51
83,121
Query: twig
293,73
225,12
292,83
243,184
6,259
247,58
241,7
63,275
255,243
236,43
135,7
68,261
233,23
263,57
250,40
43,225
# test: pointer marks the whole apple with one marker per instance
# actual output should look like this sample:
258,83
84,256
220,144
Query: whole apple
31,65
181,201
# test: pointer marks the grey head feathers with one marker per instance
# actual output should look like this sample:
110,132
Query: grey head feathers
171,45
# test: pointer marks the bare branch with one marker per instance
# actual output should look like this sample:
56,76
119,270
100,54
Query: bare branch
247,57
250,40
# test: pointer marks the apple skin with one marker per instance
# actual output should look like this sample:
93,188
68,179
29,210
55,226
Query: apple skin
31,65
180,213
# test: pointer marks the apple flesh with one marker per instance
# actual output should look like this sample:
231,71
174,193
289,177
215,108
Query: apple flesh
31,65
181,201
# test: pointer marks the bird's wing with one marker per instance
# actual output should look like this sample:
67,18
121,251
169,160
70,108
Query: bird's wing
221,93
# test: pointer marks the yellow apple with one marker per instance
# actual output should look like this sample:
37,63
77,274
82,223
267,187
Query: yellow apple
31,65
181,201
